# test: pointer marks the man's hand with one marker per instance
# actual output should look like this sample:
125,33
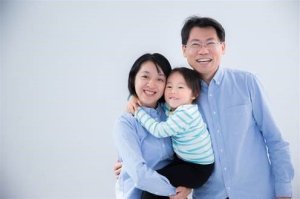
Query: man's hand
117,168
132,104
181,193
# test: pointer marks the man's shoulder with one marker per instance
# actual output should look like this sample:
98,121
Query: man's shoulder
240,78
237,73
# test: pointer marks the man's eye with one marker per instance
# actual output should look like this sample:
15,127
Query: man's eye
211,43
195,45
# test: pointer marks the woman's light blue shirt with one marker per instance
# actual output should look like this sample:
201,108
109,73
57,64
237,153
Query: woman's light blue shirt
251,158
141,154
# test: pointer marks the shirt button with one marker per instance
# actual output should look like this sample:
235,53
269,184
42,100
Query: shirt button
214,112
225,168
210,95
221,150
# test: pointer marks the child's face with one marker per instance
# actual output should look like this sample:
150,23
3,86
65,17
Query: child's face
177,92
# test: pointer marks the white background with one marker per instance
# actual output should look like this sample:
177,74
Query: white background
64,68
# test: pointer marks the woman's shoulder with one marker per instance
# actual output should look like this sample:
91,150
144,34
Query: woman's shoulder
125,118
127,125
124,124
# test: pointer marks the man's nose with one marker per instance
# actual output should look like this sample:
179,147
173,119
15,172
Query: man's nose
202,50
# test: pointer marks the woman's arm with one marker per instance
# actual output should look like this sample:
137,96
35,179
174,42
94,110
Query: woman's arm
181,192
129,148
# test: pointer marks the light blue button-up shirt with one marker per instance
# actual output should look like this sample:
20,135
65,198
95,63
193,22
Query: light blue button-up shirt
251,158
141,154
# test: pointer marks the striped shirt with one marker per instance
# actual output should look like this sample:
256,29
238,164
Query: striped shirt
190,137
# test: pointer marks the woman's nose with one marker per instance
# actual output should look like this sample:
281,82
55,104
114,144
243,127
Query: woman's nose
151,83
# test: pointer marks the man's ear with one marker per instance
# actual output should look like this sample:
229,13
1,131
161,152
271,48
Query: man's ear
223,47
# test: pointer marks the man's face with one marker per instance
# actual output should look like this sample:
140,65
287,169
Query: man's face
204,51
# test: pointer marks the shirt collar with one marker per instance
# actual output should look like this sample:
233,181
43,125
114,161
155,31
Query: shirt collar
217,77
154,111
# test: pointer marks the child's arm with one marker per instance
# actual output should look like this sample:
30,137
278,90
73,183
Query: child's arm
133,104
175,123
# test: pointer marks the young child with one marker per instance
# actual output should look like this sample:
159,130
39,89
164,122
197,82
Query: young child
191,141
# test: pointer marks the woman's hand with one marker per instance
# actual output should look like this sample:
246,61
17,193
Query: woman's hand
117,168
181,193
132,104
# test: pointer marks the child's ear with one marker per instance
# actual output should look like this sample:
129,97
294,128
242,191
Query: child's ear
194,97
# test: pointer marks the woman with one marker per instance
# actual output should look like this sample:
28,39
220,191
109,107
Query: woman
140,152
194,159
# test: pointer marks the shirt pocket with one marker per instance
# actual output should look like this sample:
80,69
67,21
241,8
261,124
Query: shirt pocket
238,118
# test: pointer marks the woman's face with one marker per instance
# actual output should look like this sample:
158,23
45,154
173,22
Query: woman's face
149,84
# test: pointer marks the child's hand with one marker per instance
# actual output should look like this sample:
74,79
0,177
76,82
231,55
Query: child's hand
132,104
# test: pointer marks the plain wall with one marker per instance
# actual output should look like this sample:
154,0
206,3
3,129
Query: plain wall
64,68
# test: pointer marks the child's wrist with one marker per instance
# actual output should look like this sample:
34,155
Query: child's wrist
136,111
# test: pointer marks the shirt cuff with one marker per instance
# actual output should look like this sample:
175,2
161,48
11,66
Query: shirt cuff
283,190
137,111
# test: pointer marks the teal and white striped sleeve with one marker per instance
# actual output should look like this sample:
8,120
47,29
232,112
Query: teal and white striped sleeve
177,122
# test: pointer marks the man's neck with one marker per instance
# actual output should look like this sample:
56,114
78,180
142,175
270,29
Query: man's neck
208,77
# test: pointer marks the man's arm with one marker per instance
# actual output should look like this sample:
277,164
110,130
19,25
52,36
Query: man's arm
117,168
278,149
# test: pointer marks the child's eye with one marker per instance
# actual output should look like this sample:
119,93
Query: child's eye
168,86
144,76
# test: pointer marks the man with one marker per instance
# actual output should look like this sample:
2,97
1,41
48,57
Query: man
251,158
